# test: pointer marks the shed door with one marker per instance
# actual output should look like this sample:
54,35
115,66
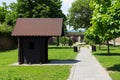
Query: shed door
31,50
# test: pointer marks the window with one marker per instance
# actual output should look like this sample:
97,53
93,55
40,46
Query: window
31,45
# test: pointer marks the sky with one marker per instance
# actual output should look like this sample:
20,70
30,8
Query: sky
66,5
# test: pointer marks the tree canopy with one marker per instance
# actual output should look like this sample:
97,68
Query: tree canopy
39,8
105,19
11,16
30,9
3,12
80,14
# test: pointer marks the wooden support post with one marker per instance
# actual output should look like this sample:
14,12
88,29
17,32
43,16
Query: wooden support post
20,53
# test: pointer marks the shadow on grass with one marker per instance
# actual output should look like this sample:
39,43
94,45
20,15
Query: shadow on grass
59,47
115,67
5,50
68,61
106,54
105,49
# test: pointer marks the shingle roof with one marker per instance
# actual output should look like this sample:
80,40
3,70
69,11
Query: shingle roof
38,27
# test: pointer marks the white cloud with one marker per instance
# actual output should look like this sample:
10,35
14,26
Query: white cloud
66,4
7,1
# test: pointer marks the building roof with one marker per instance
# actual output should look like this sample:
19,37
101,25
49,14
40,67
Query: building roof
38,27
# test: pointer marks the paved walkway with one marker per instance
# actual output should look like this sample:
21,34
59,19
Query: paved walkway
87,68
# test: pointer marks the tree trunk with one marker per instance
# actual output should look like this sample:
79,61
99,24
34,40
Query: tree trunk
99,46
114,42
108,47
57,41
64,41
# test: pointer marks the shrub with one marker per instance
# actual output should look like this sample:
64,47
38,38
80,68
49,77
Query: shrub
70,42
6,41
5,28
64,40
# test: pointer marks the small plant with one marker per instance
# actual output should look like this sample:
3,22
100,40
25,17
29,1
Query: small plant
5,28
70,42
64,40
57,41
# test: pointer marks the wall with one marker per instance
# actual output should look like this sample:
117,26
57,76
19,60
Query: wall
7,43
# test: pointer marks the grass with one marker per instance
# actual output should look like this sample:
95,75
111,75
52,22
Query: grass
111,62
61,53
36,72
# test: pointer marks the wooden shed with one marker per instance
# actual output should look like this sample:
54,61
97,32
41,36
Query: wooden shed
33,35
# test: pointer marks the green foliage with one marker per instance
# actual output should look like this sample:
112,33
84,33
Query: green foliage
80,14
64,40
11,16
8,14
91,37
3,12
57,41
4,28
70,42
105,20
39,8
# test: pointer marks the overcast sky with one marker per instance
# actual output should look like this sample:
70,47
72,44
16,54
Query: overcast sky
65,5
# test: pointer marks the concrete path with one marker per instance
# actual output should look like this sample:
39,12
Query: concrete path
88,68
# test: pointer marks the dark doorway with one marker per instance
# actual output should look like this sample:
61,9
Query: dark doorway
31,46
31,51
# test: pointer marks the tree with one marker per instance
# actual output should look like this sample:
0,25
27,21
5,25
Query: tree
31,9
64,40
39,8
92,37
8,14
11,16
105,19
70,42
57,41
80,14
3,12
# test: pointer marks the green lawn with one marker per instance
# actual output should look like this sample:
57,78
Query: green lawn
111,61
36,72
